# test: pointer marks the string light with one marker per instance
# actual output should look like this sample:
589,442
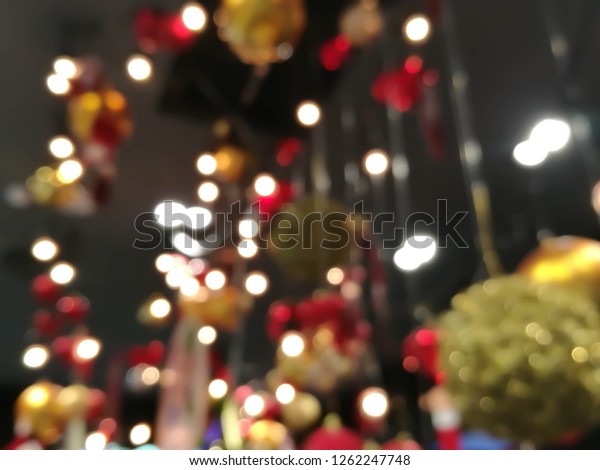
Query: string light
58,85
376,162
285,394
95,441
65,67
208,191
254,405
160,308
256,283
215,279
189,287
292,345
61,147
87,349
207,335
44,249
265,185
247,249
335,276
193,17
35,356
62,273
69,171
374,402
217,389
308,113
176,276
139,67
206,164
551,135
529,154
140,434
417,29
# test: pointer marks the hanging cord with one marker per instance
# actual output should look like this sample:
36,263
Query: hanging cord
470,151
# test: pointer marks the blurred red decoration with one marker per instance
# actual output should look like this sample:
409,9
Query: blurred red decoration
333,436
271,204
45,290
401,442
96,405
420,352
287,150
400,88
161,31
430,116
75,308
280,314
45,323
63,348
151,354
335,52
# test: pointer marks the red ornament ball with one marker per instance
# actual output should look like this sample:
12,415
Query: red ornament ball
333,436
45,290
74,307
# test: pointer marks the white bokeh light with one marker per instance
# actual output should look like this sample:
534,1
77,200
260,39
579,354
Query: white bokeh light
285,394
66,67
374,402
165,262
62,273
335,276
187,245
69,171
44,249
169,213
254,405
35,356
529,154
208,191
265,185
58,85
292,345
417,29
415,252
308,113
217,389
207,335
160,308
248,228
95,441
61,147
215,279
256,283
139,67
247,249
206,164
189,287
140,434
193,16
551,134
376,162
87,349
198,217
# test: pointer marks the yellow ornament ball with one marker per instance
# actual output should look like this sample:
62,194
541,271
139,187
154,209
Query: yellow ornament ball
72,401
35,408
361,23
223,309
522,360
303,412
568,261
261,32
267,434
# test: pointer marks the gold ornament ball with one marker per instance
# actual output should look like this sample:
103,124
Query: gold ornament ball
232,163
36,407
257,30
266,434
318,226
568,261
302,413
361,23
522,359
223,309
72,401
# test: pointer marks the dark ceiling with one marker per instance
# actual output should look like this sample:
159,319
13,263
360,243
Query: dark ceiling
513,82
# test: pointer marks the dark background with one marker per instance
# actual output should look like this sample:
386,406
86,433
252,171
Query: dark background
513,83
